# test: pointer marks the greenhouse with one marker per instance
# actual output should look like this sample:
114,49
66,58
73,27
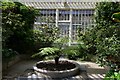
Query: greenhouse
68,16
60,40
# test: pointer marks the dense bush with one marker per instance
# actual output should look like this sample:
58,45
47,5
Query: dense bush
16,24
103,40
18,32
44,37
8,55
88,41
108,34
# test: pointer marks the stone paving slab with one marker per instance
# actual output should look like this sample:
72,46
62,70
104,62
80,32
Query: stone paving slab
24,69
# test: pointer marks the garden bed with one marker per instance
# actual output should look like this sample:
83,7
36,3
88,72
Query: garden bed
51,66
65,68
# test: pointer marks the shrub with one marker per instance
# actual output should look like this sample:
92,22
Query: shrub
16,24
8,55
88,44
107,33
44,37
103,39
111,75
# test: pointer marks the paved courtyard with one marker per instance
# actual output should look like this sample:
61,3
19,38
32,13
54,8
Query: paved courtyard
23,70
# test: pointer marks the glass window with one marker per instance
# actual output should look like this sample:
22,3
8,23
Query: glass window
64,14
64,29
48,15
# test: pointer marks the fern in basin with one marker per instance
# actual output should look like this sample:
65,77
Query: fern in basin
53,52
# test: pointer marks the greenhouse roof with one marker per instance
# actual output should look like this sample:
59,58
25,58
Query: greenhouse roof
63,4
59,4
67,0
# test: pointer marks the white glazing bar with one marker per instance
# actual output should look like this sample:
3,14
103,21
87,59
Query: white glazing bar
70,28
57,17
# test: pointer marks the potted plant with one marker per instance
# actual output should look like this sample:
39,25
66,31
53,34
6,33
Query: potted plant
52,52
55,51
57,68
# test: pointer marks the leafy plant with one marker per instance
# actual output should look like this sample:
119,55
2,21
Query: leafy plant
107,34
87,44
116,17
42,37
111,75
102,40
8,55
109,51
50,52
55,52
16,24
71,52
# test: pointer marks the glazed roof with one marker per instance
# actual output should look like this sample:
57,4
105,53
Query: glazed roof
60,4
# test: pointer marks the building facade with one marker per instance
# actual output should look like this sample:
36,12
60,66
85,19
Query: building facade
67,15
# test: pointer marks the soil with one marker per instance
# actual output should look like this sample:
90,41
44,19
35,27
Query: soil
51,66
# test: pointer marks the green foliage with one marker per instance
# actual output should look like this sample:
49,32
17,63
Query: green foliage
60,48
72,52
8,54
44,37
104,11
18,32
103,40
116,17
7,5
87,44
51,52
108,50
55,50
60,42
16,25
107,34
111,75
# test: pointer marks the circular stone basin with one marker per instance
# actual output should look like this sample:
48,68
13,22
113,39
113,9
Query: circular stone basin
71,70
